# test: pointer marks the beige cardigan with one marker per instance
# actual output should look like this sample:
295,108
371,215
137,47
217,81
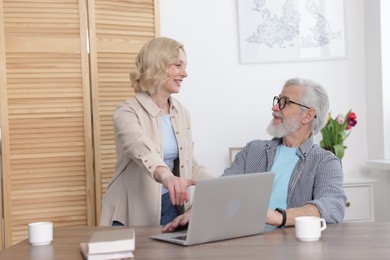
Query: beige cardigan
133,196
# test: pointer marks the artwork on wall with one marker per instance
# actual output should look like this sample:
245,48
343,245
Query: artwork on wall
232,153
291,30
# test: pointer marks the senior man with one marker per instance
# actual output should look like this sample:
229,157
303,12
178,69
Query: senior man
308,179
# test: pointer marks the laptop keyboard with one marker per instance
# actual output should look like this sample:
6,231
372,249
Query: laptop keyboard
183,237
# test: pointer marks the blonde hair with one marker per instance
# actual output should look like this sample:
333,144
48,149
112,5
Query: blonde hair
152,63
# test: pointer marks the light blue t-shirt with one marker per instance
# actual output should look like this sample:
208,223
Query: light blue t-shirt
284,163
169,144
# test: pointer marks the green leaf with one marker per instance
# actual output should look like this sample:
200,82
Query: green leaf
339,150
327,137
334,135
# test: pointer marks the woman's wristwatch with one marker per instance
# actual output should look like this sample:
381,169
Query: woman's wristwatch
283,212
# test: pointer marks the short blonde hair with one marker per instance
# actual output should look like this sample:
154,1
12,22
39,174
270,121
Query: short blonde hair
152,63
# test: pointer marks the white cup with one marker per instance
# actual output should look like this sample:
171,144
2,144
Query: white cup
40,233
309,228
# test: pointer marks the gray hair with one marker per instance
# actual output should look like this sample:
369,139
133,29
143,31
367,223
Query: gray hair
314,96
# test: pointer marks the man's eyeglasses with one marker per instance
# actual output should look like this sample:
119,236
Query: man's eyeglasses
282,101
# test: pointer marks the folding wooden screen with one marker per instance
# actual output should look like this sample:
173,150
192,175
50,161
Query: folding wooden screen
64,67
118,29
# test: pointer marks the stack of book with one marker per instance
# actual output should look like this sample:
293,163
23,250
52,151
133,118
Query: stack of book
110,244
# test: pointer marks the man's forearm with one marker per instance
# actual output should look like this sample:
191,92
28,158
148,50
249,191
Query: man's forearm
307,210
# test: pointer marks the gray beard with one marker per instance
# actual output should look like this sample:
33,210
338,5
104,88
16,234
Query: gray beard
283,129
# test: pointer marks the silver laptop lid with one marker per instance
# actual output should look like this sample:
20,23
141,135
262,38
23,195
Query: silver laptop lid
229,207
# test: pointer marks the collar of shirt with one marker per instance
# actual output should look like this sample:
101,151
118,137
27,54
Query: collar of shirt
145,100
303,150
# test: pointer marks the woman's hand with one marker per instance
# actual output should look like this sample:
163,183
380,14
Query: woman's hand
177,186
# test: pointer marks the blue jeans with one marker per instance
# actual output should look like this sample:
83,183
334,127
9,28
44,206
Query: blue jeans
168,211
116,223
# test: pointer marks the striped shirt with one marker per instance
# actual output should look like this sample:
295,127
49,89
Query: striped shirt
317,177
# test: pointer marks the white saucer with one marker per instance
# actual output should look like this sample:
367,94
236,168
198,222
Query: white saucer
40,243
309,239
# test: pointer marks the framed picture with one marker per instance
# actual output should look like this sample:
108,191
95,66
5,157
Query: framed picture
290,30
232,153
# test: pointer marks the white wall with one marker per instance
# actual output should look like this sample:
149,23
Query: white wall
377,113
230,103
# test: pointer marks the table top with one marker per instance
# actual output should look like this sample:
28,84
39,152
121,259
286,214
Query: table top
338,241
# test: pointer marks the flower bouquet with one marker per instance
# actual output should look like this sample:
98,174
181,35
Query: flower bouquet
336,131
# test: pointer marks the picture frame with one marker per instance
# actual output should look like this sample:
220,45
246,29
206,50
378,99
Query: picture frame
291,30
232,153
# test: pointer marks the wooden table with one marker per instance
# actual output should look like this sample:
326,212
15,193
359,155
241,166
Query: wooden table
339,241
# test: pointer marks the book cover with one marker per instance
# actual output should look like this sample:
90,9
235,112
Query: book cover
108,241
104,256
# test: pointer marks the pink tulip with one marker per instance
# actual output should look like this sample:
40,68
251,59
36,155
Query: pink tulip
340,119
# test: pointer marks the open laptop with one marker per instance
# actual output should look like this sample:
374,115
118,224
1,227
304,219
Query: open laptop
226,207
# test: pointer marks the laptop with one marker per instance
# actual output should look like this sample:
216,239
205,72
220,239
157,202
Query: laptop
225,207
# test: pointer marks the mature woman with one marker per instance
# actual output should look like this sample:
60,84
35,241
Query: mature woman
154,146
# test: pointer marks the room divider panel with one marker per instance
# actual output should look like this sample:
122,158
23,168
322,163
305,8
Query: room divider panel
64,67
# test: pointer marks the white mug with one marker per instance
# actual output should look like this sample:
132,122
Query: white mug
40,233
309,228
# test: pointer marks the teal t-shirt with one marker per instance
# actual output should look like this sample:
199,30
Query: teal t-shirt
284,163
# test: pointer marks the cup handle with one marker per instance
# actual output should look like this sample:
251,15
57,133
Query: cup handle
323,224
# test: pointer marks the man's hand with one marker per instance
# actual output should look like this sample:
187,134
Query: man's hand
178,222
274,218
177,187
